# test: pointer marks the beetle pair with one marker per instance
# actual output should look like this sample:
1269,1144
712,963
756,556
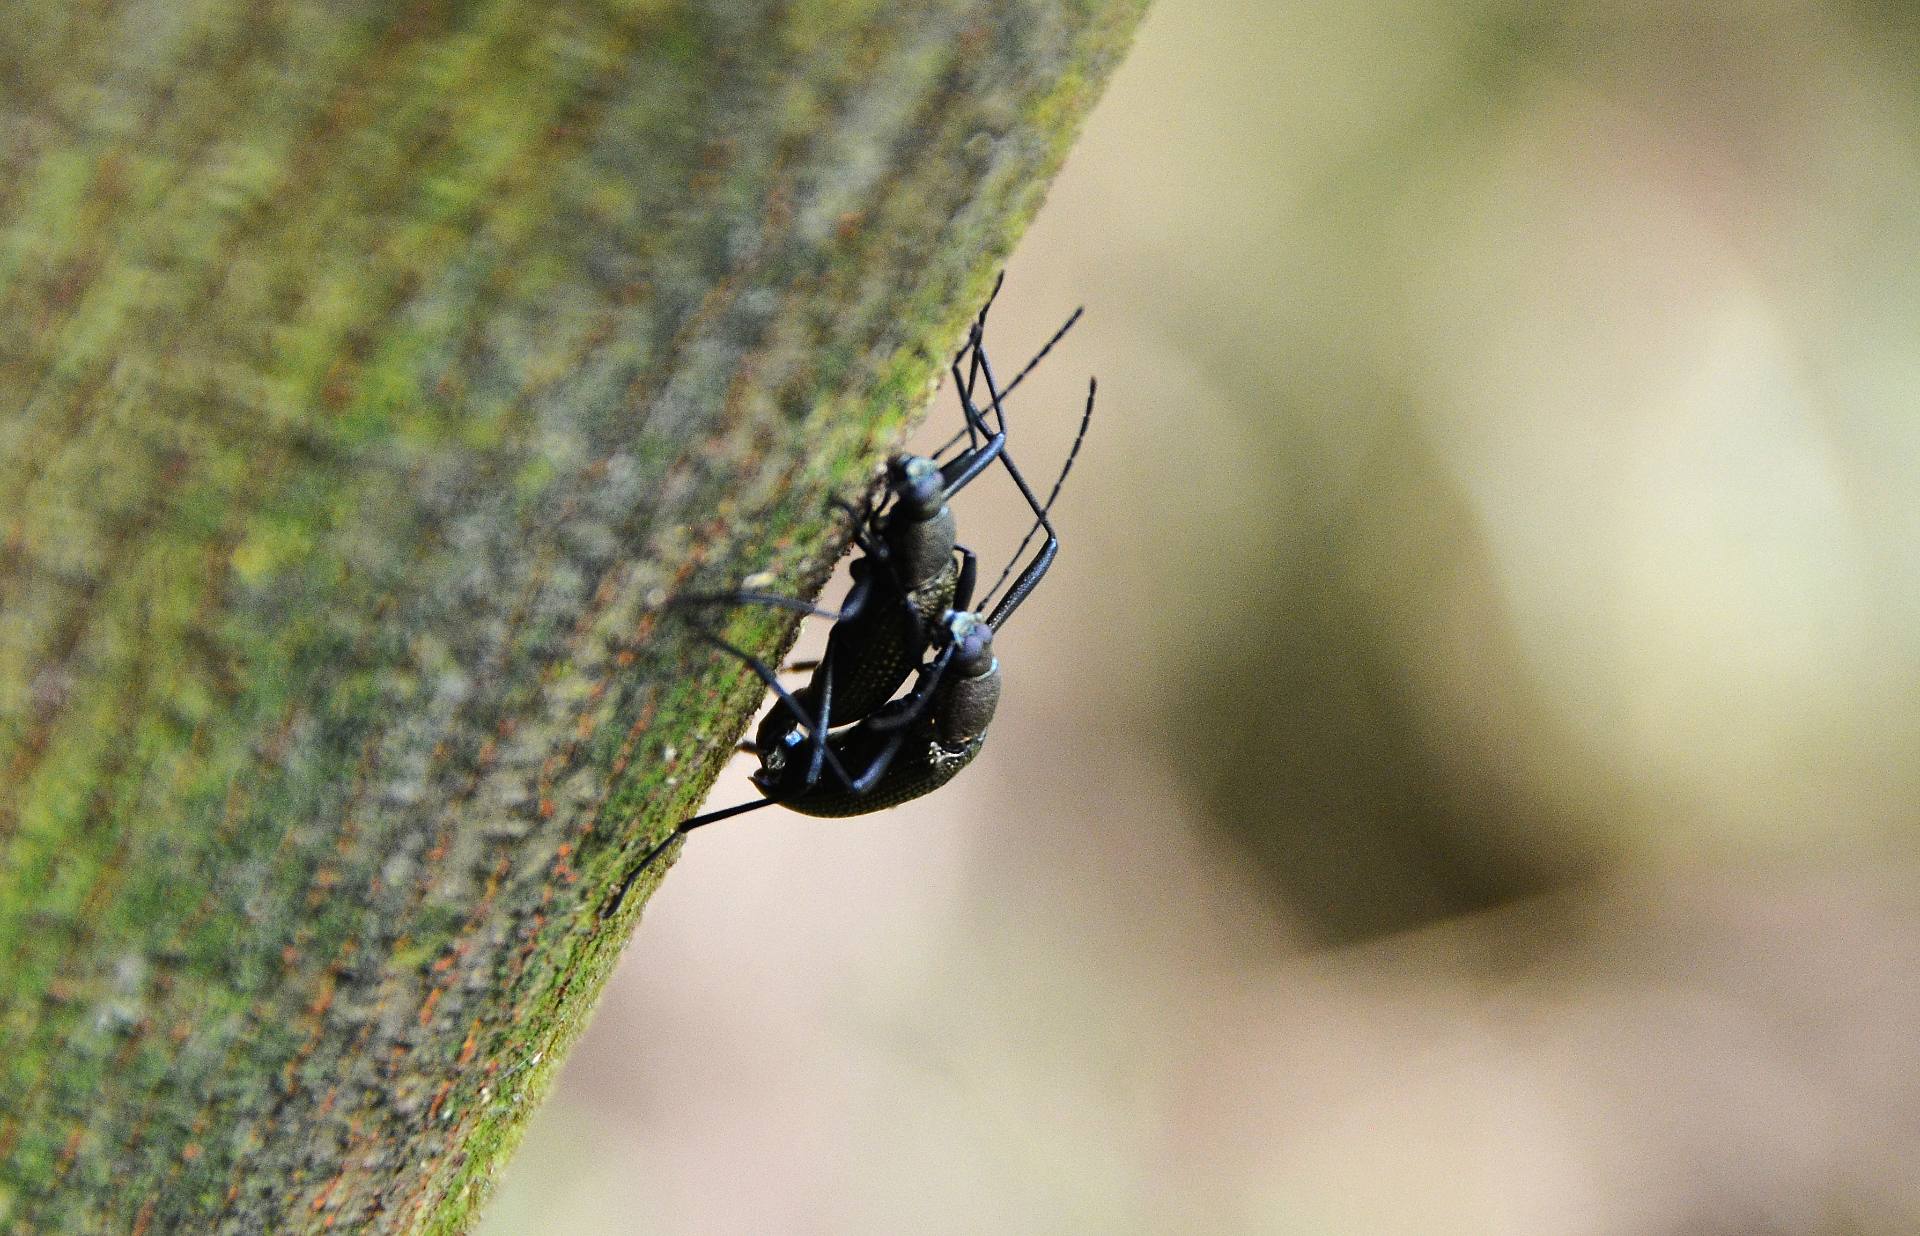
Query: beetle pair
844,744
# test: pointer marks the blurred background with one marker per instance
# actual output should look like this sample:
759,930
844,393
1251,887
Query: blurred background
1459,776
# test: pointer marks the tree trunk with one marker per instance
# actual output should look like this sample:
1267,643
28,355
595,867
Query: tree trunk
364,370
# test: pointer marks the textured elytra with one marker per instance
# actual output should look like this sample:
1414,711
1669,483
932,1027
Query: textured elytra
364,369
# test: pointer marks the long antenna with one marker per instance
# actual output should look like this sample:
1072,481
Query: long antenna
1086,419
973,341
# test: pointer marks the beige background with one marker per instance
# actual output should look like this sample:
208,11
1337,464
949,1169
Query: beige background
1459,777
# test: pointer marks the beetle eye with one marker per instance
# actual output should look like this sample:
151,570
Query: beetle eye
917,484
774,758
972,642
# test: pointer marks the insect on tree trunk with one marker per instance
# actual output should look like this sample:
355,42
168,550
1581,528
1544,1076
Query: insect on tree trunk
365,369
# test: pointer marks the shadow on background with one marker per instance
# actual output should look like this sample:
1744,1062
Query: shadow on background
1305,735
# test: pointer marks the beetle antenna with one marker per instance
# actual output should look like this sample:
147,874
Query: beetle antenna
1042,353
973,341
1086,419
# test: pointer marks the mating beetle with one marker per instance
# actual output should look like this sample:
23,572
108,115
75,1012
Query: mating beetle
844,744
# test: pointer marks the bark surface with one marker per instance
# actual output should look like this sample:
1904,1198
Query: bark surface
365,370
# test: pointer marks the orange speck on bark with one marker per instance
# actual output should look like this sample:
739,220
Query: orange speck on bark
326,1193
439,1097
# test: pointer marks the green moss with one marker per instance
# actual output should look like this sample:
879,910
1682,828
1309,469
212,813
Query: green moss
376,367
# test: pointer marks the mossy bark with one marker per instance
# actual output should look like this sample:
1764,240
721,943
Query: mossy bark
364,370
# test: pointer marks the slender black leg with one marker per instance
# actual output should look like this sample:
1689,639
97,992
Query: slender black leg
860,520
822,722
963,589
914,706
957,472
748,597
975,335
1019,479
974,369
1018,378
900,724
794,706
1035,570
910,707
1079,437
881,762
613,903
856,601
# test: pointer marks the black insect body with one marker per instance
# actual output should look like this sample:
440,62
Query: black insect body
907,748
909,575
843,744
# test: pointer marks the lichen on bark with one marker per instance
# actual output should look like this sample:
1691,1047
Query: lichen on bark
365,370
